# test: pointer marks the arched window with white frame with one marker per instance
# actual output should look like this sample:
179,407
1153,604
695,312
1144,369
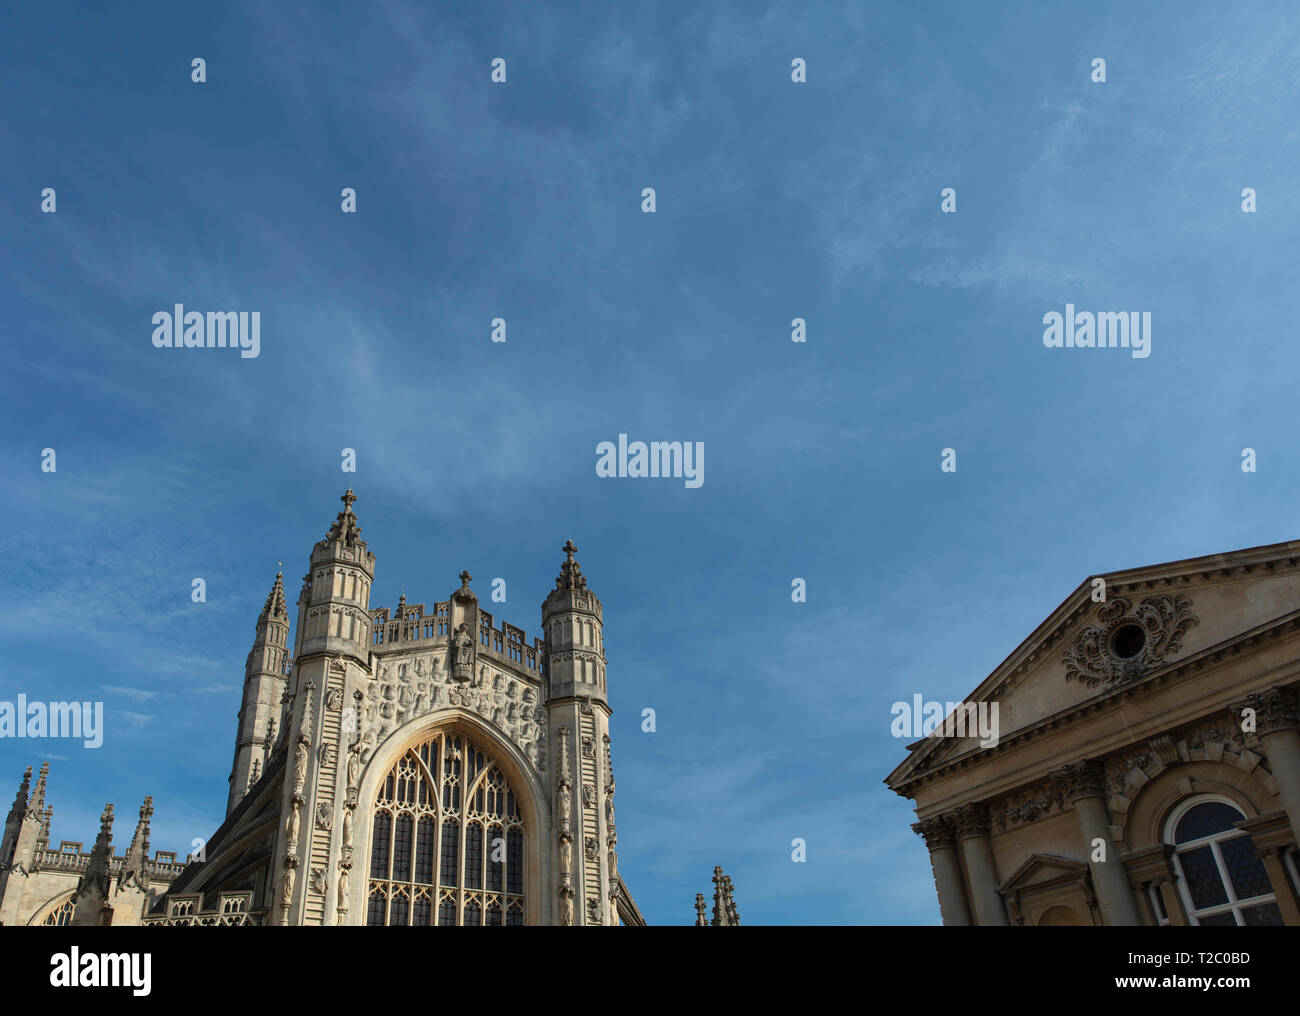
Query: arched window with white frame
1220,876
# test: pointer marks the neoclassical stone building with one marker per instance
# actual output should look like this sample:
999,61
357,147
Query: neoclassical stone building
408,767
1147,769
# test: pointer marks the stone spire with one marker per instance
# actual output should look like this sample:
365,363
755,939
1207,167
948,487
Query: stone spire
134,871
264,686
701,921
19,809
94,887
275,606
724,904
37,806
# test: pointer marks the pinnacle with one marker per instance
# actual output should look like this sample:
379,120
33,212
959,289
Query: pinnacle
275,606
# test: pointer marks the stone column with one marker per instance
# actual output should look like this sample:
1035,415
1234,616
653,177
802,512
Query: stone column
1084,784
972,822
1277,722
941,840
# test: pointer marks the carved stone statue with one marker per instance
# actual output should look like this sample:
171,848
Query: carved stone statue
286,888
347,827
345,879
566,853
462,646
292,825
354,765
563,805
300,754
324,818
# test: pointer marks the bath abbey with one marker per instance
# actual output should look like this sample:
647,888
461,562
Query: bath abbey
426,765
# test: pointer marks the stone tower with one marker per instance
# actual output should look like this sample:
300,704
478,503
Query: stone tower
578,711
333,639
430,765
264,685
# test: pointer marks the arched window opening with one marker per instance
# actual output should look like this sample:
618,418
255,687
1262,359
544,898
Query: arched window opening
446,810
1221,878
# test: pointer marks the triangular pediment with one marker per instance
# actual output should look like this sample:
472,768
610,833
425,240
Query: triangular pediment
1118,629
1039,870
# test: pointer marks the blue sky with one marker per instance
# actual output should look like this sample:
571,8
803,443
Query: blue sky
775,200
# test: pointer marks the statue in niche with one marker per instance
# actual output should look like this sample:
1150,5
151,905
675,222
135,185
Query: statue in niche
589,796
463,653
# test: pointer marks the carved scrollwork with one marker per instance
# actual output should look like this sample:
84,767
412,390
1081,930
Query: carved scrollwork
1128,641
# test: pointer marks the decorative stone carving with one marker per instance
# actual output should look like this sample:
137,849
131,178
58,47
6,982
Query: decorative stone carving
1275,709
972,820
292,825
1128,641
301,753
938,833
334,699
589,796
318,882
326,754
462,653
286,886
324,816
1081,779
345,884
589,845
566,901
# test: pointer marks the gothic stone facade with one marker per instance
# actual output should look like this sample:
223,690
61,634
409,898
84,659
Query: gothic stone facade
1148,764
409,767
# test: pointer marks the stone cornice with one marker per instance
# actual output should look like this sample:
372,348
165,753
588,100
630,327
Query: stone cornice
1287,626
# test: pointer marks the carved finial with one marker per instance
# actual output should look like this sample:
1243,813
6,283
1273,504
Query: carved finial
700,920
570,576
348,499
464,577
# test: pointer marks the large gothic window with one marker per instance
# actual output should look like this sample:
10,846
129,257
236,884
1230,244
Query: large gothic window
447,844
1223,881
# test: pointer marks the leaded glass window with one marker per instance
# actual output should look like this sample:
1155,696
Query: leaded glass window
1222,879
446,809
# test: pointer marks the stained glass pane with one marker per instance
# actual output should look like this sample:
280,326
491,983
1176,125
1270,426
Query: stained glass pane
402,848
379,847
426,841
1203,881
1205,820
1265,915
1245,868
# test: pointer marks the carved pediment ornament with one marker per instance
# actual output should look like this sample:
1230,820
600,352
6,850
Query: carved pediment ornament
1127,641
